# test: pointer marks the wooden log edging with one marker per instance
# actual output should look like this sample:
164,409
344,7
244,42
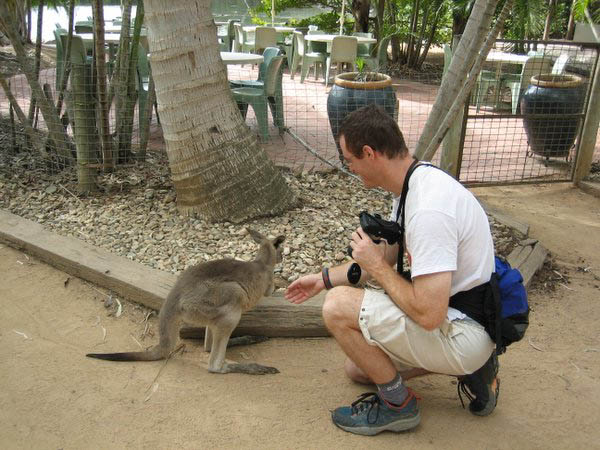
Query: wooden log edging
273,316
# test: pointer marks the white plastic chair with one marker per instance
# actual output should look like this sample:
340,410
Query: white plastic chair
559,65
305,58
534,65
264,37
241,42
343,51
447,57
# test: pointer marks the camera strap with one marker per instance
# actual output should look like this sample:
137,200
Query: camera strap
400,210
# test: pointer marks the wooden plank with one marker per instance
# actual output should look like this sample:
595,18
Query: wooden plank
136,282
275,317
519,255
533,263
505,219
590,187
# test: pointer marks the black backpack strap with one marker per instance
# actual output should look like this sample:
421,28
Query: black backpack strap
400,211
500,347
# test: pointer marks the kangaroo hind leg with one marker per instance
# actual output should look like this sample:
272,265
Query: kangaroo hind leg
221,330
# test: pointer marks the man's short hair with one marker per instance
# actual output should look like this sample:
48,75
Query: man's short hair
372,126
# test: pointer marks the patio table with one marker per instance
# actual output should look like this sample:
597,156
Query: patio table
231,58
328,39
278,28
503,58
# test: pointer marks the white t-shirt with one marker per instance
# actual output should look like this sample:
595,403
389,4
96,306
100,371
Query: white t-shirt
446,230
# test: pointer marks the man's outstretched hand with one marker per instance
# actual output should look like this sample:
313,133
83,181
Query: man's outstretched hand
304,288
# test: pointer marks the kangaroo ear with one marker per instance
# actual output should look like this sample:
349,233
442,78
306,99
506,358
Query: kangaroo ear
278,240
258,238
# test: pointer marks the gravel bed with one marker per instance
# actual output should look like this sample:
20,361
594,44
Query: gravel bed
134,215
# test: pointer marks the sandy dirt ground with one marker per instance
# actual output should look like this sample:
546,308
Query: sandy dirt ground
52,397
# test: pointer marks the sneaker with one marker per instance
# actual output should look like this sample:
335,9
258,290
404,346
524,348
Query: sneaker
477,387
370,415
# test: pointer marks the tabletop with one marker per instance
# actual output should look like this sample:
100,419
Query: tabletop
329,38
109,38
241,58
278,28
497,56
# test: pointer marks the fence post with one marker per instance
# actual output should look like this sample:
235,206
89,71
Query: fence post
590,130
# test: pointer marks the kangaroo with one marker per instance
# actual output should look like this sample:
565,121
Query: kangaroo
214,294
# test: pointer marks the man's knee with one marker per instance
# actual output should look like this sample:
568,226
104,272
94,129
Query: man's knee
339,306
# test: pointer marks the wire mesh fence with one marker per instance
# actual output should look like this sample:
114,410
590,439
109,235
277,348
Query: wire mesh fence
496,147
525,115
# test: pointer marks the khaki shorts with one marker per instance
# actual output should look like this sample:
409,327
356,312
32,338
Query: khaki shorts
455,348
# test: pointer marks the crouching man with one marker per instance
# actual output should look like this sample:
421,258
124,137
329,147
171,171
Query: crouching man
430,323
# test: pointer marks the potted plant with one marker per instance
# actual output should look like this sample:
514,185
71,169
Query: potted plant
551,108
353,90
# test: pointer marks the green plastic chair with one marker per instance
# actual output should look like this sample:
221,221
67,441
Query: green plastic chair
379,62
259,97
230,33
363,50
143,78
60,57
447,57
268,55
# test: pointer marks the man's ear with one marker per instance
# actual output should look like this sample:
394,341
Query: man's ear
368,151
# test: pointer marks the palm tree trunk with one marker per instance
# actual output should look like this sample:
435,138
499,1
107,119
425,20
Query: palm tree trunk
218,169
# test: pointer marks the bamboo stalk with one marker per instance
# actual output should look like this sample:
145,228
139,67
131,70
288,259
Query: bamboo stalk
38,55
29,131
105,139
56,132
454,110
468,50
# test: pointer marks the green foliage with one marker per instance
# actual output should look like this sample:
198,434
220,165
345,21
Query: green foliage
327,22
526,20
593,6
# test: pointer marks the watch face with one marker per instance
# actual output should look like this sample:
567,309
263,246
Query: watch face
354,273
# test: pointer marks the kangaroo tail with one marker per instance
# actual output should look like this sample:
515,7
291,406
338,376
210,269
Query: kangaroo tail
153,354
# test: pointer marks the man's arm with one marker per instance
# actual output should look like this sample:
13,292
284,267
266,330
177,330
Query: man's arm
425,300
310,285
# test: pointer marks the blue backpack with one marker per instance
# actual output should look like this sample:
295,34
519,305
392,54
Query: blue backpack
509,305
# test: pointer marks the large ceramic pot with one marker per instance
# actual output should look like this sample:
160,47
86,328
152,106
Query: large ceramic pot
348,94
550,106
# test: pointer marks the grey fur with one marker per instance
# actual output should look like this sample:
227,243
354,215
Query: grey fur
213,294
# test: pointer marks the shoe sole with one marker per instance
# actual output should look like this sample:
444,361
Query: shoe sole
396,427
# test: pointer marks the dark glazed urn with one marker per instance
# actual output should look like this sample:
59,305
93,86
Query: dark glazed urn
348,95
551,107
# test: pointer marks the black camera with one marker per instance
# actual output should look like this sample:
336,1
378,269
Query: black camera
377,228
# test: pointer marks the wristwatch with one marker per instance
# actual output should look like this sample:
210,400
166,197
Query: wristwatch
354,273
